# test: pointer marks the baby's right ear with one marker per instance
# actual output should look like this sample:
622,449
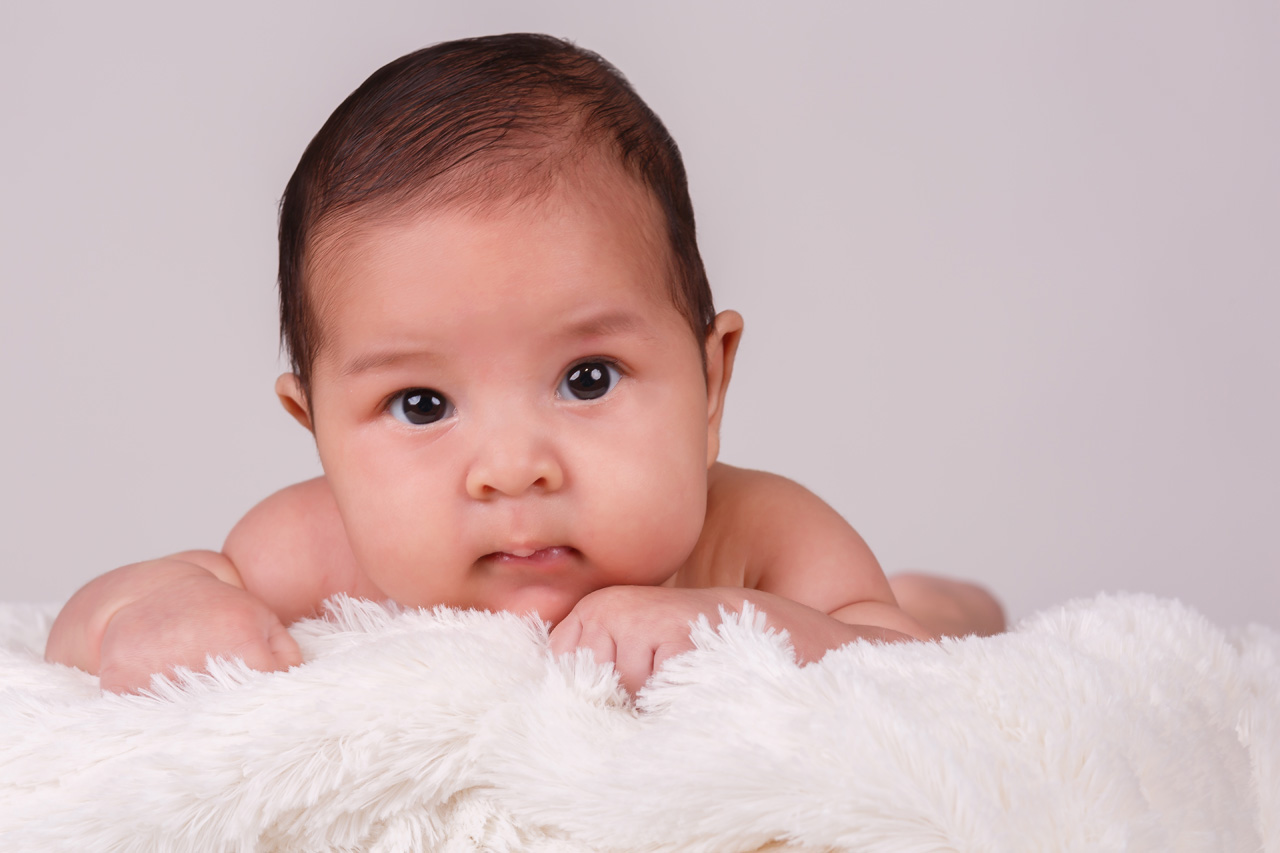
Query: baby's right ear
289,390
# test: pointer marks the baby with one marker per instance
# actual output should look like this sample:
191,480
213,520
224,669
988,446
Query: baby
503,341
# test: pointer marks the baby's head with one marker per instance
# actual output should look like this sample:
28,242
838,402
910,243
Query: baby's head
500,328
476,124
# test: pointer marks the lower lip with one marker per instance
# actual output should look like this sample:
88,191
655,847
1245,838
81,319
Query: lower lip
542,558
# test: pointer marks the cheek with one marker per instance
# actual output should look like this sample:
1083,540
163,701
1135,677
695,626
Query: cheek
397,517
647,475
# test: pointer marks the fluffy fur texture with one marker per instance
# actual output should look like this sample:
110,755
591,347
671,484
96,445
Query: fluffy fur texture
1123,723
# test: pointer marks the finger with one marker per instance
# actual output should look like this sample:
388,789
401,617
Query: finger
130,670
256,654
634,666
284,648
669,650
113,679
564,636
600,643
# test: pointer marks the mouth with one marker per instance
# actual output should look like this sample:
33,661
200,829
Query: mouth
546,556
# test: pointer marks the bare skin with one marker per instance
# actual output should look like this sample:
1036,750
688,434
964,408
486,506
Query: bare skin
513,415
298,533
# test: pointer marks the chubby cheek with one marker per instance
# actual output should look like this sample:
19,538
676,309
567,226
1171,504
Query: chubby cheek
404,555
648,494
396,521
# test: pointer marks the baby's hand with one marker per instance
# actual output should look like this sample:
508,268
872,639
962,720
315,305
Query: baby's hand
638,627
190,616
635,628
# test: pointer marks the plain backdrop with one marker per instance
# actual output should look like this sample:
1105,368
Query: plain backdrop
1010,270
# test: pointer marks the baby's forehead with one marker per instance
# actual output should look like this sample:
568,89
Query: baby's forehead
492,189
624,228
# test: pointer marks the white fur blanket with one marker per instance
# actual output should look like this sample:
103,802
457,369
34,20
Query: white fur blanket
1124,723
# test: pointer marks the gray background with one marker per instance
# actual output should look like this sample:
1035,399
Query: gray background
1009,269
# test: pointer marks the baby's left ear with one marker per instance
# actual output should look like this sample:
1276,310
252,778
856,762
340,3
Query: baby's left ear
722,346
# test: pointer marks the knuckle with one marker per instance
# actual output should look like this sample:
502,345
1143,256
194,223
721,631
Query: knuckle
595,634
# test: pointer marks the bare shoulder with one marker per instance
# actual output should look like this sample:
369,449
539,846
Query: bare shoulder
784,513
757,491
291,550
792,542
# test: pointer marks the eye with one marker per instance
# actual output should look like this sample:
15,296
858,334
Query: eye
588,380
420,406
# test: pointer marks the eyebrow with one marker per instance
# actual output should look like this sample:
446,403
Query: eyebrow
598,325
374,360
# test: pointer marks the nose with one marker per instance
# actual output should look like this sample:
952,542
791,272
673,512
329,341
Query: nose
511,461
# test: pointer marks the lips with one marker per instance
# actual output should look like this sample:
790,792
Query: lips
547,555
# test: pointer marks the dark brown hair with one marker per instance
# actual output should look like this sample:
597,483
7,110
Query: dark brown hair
473,122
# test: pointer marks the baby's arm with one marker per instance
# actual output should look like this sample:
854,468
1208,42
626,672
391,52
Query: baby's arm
948,607
802,550
770,542
276,566
160,614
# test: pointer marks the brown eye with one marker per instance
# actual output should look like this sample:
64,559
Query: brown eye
420,406
589,380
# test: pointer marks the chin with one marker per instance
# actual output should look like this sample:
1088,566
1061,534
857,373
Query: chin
547,605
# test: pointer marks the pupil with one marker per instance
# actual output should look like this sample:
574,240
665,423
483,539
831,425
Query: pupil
588,381
423,407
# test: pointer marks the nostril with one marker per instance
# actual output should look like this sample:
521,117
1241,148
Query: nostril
501,473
